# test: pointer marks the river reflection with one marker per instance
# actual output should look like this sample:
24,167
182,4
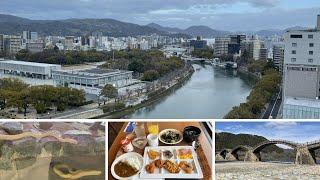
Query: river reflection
210,93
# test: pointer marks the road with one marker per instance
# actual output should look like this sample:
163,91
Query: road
273,107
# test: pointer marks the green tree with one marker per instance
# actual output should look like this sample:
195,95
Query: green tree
150,75
109,91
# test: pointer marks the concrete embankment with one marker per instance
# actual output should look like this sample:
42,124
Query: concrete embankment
151,99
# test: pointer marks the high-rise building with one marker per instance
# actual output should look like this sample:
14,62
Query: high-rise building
221,46
26,35
1,43
68,43
235,43
34,35
12,44
302,73
278,56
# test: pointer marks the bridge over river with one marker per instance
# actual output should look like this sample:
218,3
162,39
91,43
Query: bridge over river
305,153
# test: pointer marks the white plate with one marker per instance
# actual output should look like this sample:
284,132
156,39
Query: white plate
174,130
162,173
122,157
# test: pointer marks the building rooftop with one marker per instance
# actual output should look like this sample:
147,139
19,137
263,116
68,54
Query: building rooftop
25,63
314,103
92,73
303,30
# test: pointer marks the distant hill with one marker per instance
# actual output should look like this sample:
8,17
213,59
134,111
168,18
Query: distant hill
166,29
230,141
194,31
109,27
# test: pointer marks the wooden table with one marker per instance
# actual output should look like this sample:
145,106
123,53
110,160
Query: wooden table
204,152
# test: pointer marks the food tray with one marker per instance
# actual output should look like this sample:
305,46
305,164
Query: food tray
162,172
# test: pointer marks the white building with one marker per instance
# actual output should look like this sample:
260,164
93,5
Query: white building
301,68
92,80
28,69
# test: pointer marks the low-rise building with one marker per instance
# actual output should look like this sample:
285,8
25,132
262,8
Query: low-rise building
28,69
35,46
92,80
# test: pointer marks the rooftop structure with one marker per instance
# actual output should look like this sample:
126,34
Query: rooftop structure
301,108
92,80
28,69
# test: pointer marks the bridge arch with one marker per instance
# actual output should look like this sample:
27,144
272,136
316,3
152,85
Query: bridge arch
224,153
235,150
265,144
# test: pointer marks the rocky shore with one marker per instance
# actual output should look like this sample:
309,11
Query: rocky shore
265,170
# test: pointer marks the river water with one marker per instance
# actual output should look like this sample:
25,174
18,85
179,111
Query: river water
210,93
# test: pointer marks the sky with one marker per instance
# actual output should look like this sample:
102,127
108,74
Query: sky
230,15
301,132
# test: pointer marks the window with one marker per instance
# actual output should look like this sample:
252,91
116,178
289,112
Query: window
294,52
296,36
294,44
310,52
293,59
311,45
310,60
310,36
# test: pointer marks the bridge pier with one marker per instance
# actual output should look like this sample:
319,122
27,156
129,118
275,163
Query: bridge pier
304,156
219,157
252,157
230,157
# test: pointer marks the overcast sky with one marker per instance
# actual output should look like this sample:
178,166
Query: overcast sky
232,15
301,132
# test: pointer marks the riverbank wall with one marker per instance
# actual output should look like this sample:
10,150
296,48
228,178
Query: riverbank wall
151,99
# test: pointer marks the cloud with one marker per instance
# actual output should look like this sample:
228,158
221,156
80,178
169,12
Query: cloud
219,14
280,125
293,131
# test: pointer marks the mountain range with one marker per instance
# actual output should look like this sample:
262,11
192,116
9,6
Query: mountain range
226,140
109,27
15,25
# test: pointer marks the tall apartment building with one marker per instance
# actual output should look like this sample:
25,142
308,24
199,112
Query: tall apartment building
221,46
302,73
278,56
68,43
1,43
234,45
12,44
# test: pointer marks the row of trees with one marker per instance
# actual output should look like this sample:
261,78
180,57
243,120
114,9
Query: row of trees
203,53
16,94
260,95
62,57
150,63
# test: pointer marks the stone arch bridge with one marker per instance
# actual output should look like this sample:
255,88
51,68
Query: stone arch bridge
305,153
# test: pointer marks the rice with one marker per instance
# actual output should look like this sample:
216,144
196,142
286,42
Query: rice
134,162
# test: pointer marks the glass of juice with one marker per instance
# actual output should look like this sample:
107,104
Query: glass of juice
153,128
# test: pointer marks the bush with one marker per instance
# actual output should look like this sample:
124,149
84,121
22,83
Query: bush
150,75
260,95
40,108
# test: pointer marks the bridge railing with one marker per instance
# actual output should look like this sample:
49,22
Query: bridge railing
311,142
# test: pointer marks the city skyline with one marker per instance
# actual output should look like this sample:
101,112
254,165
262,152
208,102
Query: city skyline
301,132
277,14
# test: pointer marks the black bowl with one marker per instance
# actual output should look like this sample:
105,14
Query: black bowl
191,133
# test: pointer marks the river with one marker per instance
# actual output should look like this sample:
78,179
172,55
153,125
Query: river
210,93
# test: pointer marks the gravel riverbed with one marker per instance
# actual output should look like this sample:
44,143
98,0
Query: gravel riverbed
266,170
